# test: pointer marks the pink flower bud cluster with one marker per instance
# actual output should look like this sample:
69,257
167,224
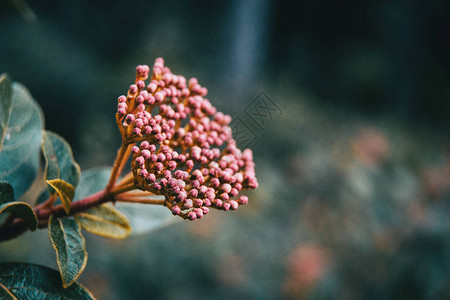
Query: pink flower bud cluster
183,147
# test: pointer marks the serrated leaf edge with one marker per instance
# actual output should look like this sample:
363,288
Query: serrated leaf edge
77,166
66,285
87,215
66,204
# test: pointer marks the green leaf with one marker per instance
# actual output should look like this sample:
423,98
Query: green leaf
60,163
6,192
5,106
43,196
6,294
20,155
142,217
71,256
19,209
106,221
65,191
22,210
92,181
29,281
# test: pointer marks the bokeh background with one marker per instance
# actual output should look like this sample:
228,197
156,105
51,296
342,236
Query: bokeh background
354,170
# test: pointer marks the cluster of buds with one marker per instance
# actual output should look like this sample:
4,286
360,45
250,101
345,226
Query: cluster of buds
183,148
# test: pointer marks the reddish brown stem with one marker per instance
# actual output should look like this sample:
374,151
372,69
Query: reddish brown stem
119,163
17,226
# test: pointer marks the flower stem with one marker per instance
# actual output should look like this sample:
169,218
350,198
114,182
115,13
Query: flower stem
119,163
123,189
16,226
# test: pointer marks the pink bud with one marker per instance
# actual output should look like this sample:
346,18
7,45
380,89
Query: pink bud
181,183
189,164
167,174
134,150
192,216
176,210
159,96
143,173
215,182
133,89
151,178
161,157
224,196
193,193
234,192
198,202
140,161
152,87
226,187
156,129
172,165
210,196
243,200
234,205
195,184
202,189
188,204
137,131
145,153
145,145
198,212
159,166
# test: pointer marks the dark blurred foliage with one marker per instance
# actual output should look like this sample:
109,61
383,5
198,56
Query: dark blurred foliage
354,196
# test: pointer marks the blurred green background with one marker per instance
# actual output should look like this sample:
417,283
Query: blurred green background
354,168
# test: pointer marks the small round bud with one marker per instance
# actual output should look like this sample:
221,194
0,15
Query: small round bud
243,200
188,204
192,216
226,187
140,161
134,150
234,205
151,178
176,210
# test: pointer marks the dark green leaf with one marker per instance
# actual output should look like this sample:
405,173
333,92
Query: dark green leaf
6,294
65,236
43,196
106,221
60,163
22,210
142,217
19,209
5,105
29,281
6,192
19,158
65,192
